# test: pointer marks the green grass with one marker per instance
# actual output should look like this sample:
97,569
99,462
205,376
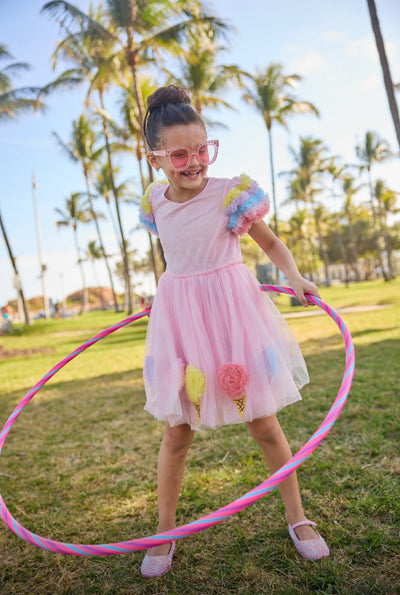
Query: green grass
80,465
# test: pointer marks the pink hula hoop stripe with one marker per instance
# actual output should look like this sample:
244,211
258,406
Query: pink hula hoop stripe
219,515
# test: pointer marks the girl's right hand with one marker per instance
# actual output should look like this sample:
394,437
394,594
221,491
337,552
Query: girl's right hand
301,286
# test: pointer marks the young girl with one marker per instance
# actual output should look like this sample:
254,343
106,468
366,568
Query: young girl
217,350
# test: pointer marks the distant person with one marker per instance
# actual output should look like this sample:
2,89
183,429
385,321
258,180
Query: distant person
6,311
217,350
6,325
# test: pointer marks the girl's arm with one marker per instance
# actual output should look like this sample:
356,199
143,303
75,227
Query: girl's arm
282,258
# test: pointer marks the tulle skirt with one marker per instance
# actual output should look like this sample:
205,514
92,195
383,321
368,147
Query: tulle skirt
218,351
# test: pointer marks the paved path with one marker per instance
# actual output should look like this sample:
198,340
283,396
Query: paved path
318,312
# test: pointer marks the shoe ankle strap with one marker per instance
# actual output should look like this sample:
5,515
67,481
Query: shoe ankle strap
306,522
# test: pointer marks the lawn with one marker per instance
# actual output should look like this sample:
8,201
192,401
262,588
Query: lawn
79,465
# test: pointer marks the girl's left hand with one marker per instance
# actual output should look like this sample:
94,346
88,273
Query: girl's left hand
301,286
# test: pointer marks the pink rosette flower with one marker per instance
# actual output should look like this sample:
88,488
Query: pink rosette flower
233,379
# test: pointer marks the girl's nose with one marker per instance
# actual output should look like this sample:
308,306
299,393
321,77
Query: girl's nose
194,157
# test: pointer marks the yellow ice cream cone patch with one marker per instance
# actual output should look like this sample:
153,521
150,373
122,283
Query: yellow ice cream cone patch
195,384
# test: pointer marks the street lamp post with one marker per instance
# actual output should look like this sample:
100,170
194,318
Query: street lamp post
43,267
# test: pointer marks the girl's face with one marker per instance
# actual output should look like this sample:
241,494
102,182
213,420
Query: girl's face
189,182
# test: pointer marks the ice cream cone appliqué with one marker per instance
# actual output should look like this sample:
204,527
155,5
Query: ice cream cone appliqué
195,383
233,380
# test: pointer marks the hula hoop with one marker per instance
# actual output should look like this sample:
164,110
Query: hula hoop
219,515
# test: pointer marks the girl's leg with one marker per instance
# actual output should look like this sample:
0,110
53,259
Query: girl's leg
171,465
269,435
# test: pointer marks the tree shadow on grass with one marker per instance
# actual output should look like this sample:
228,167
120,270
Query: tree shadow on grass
89,470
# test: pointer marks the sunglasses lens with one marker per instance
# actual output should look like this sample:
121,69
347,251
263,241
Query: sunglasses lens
207,153
179,158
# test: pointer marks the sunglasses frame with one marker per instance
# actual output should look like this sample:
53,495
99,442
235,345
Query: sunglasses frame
167,153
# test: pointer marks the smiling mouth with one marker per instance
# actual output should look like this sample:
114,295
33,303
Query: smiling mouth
195,172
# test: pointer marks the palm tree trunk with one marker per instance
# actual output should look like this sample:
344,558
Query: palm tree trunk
323,251
159,246
344,256
353,248
113,222
121,230
152,254
386,239
103,250
385,67
271,160
85,298
14,266
376,230
100,295
388,252
132,58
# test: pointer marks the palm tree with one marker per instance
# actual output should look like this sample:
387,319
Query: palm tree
81,149
142,29
300,237
271,95
305,183
14,102
132,137
76,211
94,253
97,63
386,201
349,189
102,186
202,75
129,140
387,77
372,150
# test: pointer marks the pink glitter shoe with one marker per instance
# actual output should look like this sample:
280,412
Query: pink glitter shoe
311,549
153,566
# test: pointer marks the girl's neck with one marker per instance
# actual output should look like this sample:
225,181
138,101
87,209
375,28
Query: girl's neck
178,194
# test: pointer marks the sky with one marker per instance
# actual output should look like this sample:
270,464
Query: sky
330,44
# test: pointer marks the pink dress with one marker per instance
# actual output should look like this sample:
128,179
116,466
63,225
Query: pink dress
217,349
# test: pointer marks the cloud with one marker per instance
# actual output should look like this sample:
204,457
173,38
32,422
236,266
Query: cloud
372,82
308,63
362,48
333,35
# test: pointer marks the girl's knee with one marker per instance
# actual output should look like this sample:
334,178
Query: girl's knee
178,438
266,430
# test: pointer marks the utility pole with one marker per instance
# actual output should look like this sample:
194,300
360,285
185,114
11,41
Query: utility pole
43,267
17,279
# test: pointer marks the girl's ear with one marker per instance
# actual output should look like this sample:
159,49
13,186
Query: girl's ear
154,161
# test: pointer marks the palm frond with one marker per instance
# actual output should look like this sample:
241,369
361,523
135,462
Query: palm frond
17,101
15,68
67,14
176,33
67,80
4,53
66,149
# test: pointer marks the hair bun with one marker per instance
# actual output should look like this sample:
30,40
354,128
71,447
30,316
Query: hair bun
169,94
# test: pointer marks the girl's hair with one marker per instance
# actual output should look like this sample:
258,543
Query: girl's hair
168,106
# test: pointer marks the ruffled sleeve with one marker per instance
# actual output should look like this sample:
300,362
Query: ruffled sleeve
146,215
245,203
